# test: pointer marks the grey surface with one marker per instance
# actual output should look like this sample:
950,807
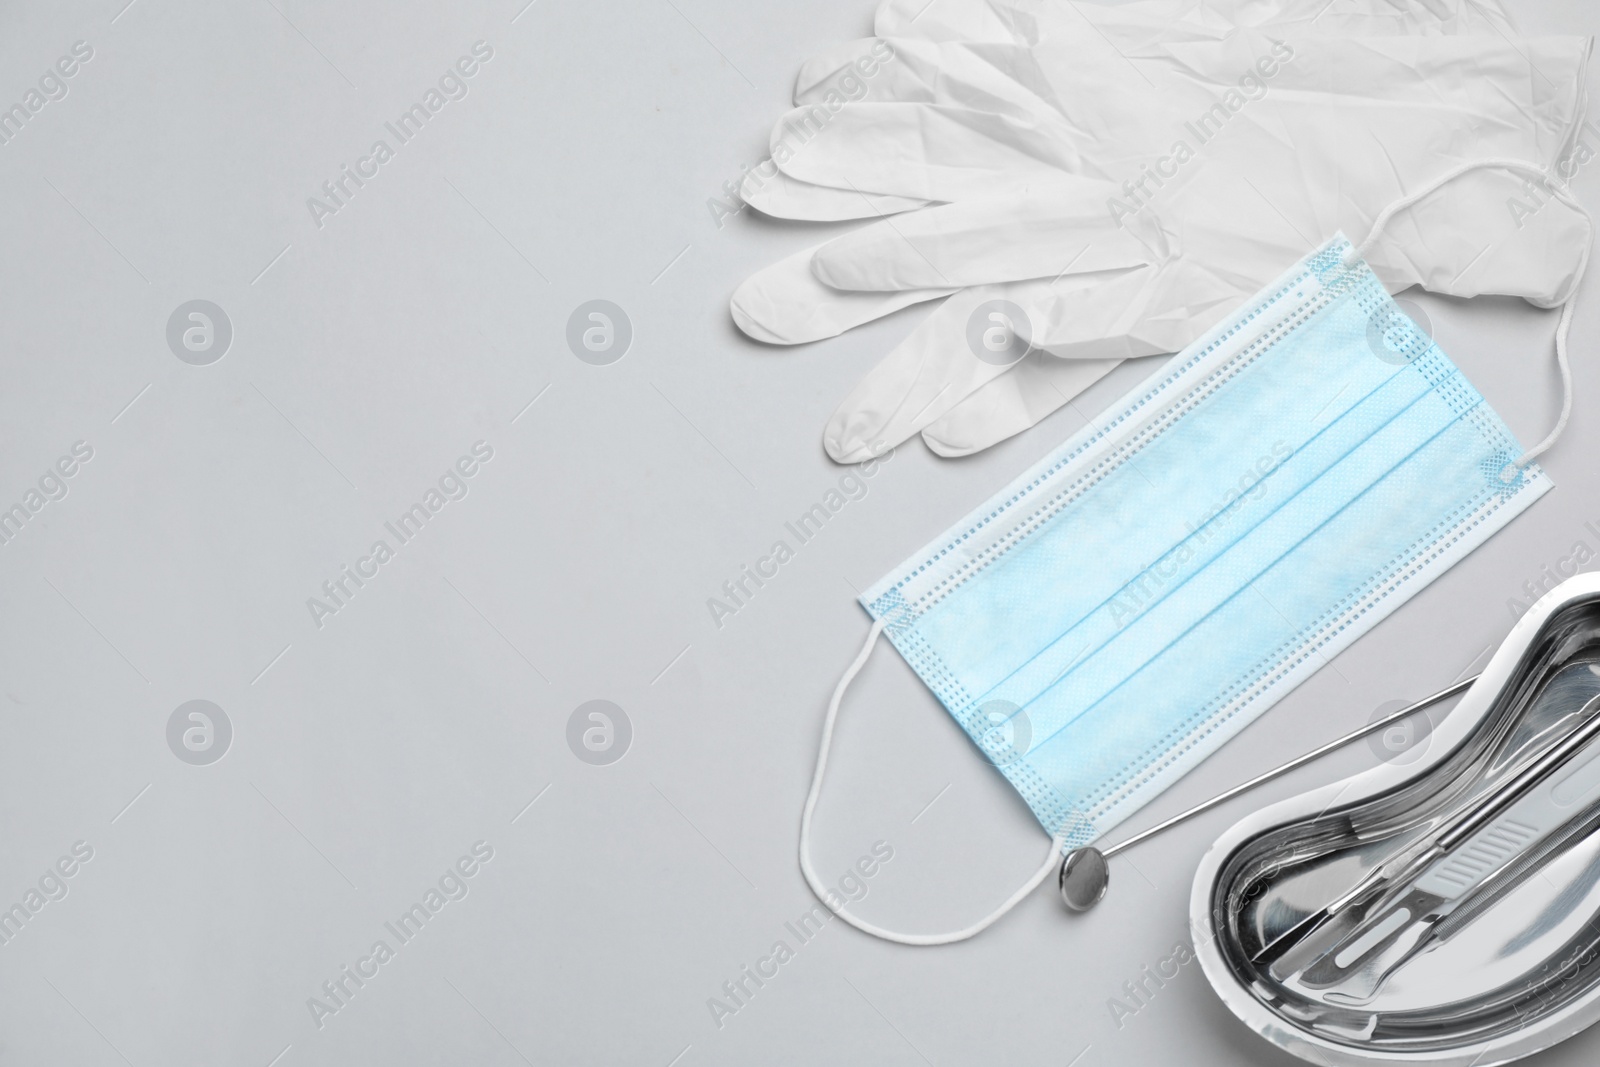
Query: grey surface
432,711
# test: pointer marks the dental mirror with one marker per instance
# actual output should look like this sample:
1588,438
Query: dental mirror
1085,873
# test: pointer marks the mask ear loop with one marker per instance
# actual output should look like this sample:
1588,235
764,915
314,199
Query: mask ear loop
822,892
1563,325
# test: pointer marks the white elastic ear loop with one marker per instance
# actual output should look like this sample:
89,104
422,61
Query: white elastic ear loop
1563,325
822,891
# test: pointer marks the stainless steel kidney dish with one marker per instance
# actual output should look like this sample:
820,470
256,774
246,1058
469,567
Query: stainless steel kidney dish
1446,912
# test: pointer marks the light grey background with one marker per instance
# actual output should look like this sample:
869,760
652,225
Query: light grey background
370,753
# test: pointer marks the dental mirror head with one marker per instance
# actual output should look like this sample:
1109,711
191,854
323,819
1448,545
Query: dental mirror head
1084,877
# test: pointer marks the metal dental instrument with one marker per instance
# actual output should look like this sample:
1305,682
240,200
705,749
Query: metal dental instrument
1500,824
1085,873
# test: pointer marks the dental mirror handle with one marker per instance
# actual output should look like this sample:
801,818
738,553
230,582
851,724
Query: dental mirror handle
1299,761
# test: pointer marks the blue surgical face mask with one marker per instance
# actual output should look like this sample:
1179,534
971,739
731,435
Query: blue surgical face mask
1120,610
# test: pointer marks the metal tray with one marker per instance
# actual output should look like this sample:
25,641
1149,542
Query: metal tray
1516,967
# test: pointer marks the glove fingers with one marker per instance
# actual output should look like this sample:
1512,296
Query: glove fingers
922,378
784,304
1014,402
783,197
1038,232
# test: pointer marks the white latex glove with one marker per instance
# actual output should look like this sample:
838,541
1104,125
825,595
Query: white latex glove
1343,130
935,64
